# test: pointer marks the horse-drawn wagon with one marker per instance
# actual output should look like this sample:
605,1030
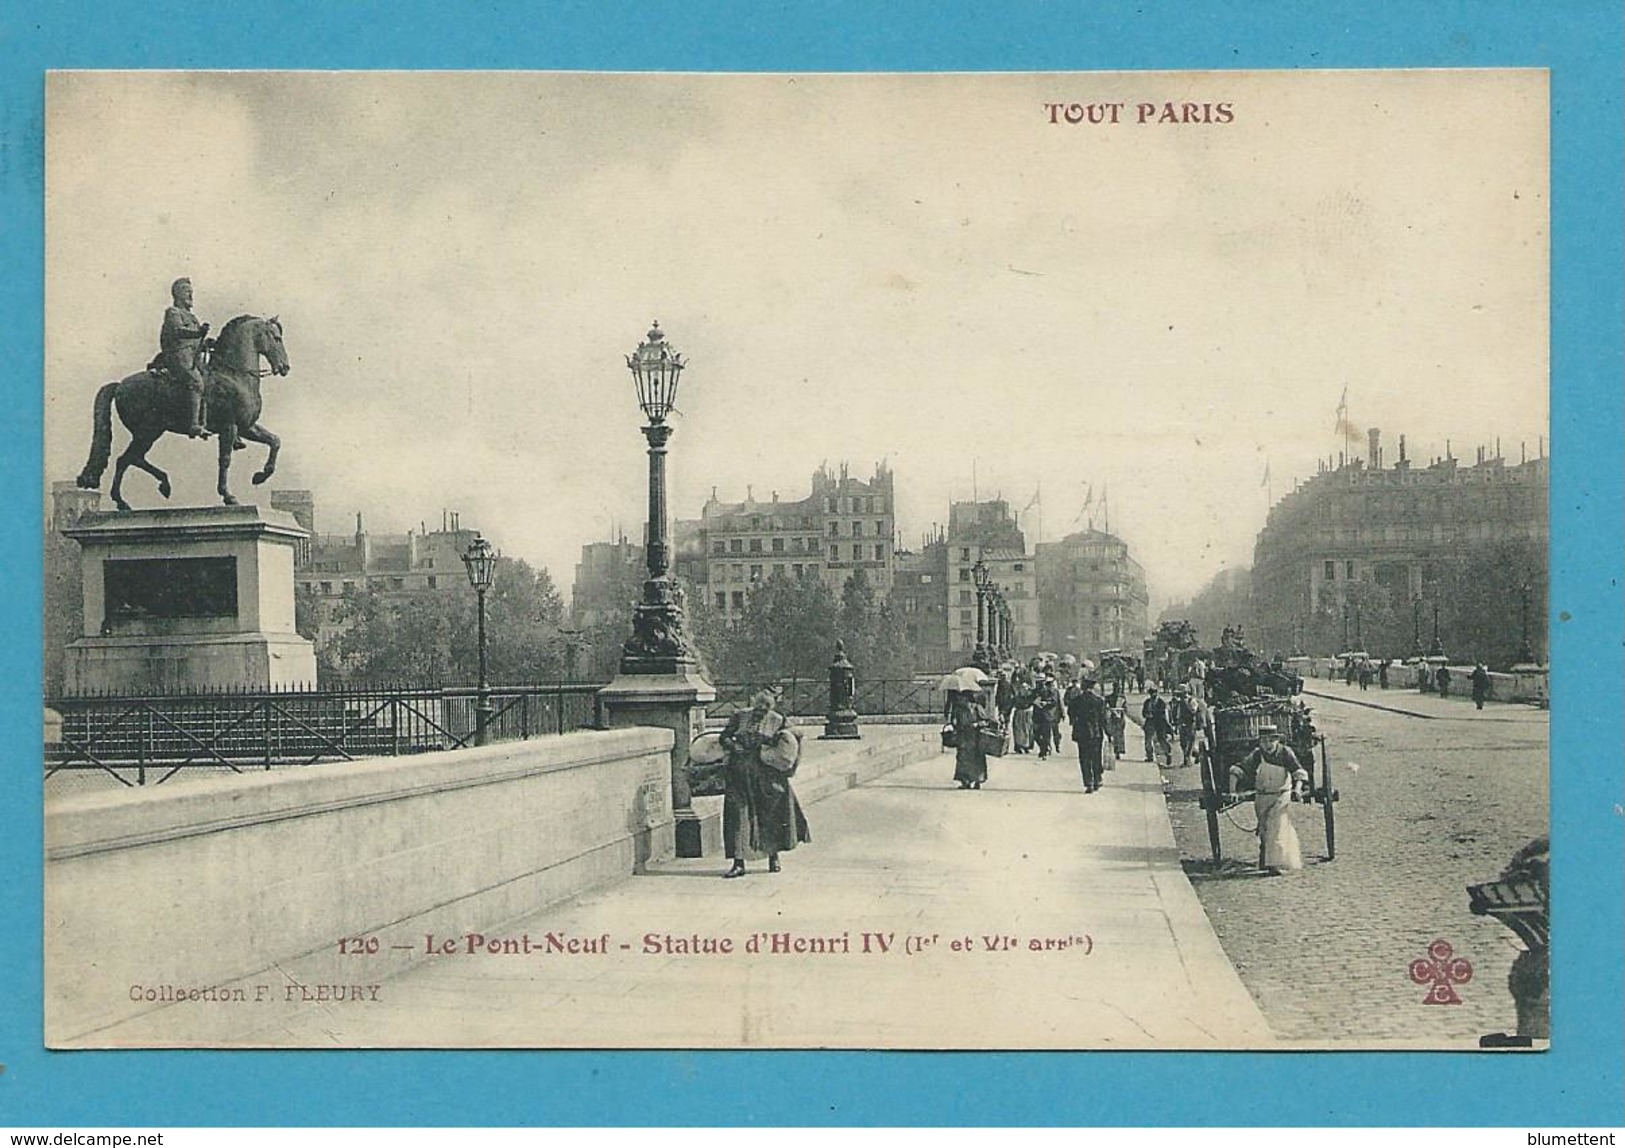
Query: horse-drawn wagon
1246,696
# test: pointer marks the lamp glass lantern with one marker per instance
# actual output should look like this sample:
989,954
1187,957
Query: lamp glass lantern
481,564
656,369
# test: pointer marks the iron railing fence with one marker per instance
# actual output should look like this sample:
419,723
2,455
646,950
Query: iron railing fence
147,739
156,735
809,697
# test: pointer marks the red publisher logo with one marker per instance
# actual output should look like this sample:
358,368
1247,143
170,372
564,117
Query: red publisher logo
1442,971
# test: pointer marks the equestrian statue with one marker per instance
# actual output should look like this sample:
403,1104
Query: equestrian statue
195,386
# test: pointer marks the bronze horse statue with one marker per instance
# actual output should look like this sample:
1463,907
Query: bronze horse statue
149,404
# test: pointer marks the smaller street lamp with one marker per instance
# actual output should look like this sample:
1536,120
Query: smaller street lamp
1416,625
979,575
1437,649
481,564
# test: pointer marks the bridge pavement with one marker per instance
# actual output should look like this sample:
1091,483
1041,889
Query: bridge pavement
1024,915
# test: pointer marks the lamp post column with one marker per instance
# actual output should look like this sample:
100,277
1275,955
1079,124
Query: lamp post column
481,564
482,694
659,683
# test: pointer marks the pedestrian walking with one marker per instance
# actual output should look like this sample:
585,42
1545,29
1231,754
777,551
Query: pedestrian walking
1046,714
1382,673
1021,716
1087,713
1274,771
760,813
1481,684
1154,720
1182,715
1117,722
1441,679
970,717
1365,673
1004,696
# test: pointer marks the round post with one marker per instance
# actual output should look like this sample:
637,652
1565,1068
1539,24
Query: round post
841,719
482,698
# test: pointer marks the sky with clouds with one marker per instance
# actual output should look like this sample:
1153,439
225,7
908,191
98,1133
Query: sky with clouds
922,269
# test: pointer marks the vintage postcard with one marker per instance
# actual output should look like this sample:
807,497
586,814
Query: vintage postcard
807,561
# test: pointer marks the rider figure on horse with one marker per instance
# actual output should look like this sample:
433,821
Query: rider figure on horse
181,345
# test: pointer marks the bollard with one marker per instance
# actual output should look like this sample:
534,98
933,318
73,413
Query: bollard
841,722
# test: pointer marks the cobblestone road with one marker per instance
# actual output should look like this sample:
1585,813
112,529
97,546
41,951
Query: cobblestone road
1428,807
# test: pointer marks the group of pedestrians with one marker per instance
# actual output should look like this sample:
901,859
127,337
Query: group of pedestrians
1030,704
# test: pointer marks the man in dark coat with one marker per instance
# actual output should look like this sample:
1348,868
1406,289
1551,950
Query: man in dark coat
1087,713
1481,684
1046,715
1154,719
1441,679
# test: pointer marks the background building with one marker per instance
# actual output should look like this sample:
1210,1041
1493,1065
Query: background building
919,595
608,580
1365,554
423,561
1092,594
987,532
64,592
846,524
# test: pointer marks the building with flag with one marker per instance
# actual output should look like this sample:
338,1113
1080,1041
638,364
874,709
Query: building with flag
1367,555
1092,594
845,525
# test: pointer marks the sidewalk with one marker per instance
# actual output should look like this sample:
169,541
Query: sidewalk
957,885
1417,704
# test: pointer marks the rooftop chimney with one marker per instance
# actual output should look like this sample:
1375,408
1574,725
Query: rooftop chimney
1375,454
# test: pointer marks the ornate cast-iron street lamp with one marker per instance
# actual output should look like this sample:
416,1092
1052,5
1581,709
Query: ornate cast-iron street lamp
1437,649
1346,646
658,644
978,573
481,564
1416,625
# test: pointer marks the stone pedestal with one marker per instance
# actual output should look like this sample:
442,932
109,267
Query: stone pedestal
194,599
675,700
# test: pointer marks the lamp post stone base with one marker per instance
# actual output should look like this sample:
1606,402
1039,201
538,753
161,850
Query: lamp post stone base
673,700
841,727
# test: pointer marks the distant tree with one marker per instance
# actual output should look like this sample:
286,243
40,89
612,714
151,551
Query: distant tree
876,641
524,614
307,611
1480,600
433,639
787,630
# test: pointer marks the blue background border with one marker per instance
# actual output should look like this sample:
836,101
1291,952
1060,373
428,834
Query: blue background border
1578,1082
